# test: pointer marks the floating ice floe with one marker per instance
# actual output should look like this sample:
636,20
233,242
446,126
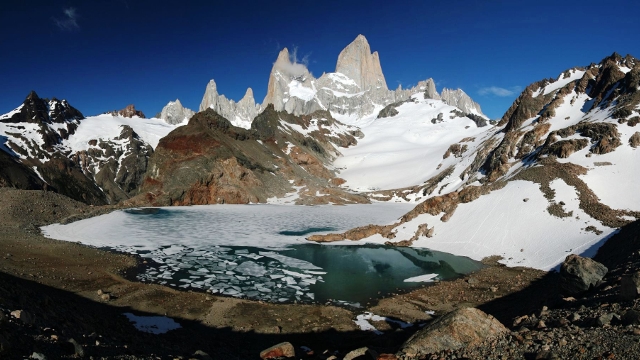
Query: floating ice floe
422,278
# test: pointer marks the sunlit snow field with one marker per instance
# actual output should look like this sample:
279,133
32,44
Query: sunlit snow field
260,251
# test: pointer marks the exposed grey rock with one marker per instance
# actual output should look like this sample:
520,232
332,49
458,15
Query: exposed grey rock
430,91
578,274
358,63
174,113
240,114
606,319
38,356
461,100
361,353
355,88
630,286
457,329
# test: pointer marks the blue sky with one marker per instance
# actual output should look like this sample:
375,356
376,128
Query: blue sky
102,55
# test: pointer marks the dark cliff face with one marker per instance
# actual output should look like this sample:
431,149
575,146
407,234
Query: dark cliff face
210,161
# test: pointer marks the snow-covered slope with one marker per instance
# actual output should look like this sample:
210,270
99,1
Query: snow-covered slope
107,127
97,159
554,177
408,149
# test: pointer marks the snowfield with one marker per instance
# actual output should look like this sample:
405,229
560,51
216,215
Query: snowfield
109,127
406,149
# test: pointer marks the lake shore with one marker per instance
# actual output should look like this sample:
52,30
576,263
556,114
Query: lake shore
75,278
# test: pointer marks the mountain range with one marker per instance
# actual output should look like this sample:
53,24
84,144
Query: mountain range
556,165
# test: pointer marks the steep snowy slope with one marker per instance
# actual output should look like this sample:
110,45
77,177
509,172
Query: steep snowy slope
553,178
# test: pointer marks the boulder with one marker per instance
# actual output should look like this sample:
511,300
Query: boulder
457,329
23,316
284,350
578,274
361,353
630,286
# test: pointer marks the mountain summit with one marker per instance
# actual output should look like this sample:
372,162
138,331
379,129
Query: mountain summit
355,90
358,63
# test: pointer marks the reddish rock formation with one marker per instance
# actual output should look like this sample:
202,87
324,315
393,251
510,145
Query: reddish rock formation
129,111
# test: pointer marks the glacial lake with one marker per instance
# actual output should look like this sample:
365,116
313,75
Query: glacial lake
260,252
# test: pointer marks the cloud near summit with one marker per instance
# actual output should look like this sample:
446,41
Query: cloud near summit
69,21
295,67
498,91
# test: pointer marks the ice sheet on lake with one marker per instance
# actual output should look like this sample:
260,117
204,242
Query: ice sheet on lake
234,250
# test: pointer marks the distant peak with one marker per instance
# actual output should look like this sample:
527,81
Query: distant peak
212,84
283,56
32,95
361,38
249,93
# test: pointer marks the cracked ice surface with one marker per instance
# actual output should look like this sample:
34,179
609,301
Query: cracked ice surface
233,250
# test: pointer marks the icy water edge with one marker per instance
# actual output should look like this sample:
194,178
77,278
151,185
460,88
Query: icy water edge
259,252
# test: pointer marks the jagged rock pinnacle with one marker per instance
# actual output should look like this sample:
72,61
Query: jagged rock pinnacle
358,63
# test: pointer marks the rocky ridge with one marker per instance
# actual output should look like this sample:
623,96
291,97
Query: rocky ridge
129,111
40,157
357,87
210,161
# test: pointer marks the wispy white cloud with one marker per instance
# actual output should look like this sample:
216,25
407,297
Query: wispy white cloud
499,91
69,21
296,67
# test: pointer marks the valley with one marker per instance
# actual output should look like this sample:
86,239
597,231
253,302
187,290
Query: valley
211,218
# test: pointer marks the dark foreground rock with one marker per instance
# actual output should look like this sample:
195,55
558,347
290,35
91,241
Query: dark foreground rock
578,274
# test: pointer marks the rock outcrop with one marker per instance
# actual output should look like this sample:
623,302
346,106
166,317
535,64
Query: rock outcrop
174,113
461,100
129,111
456,330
